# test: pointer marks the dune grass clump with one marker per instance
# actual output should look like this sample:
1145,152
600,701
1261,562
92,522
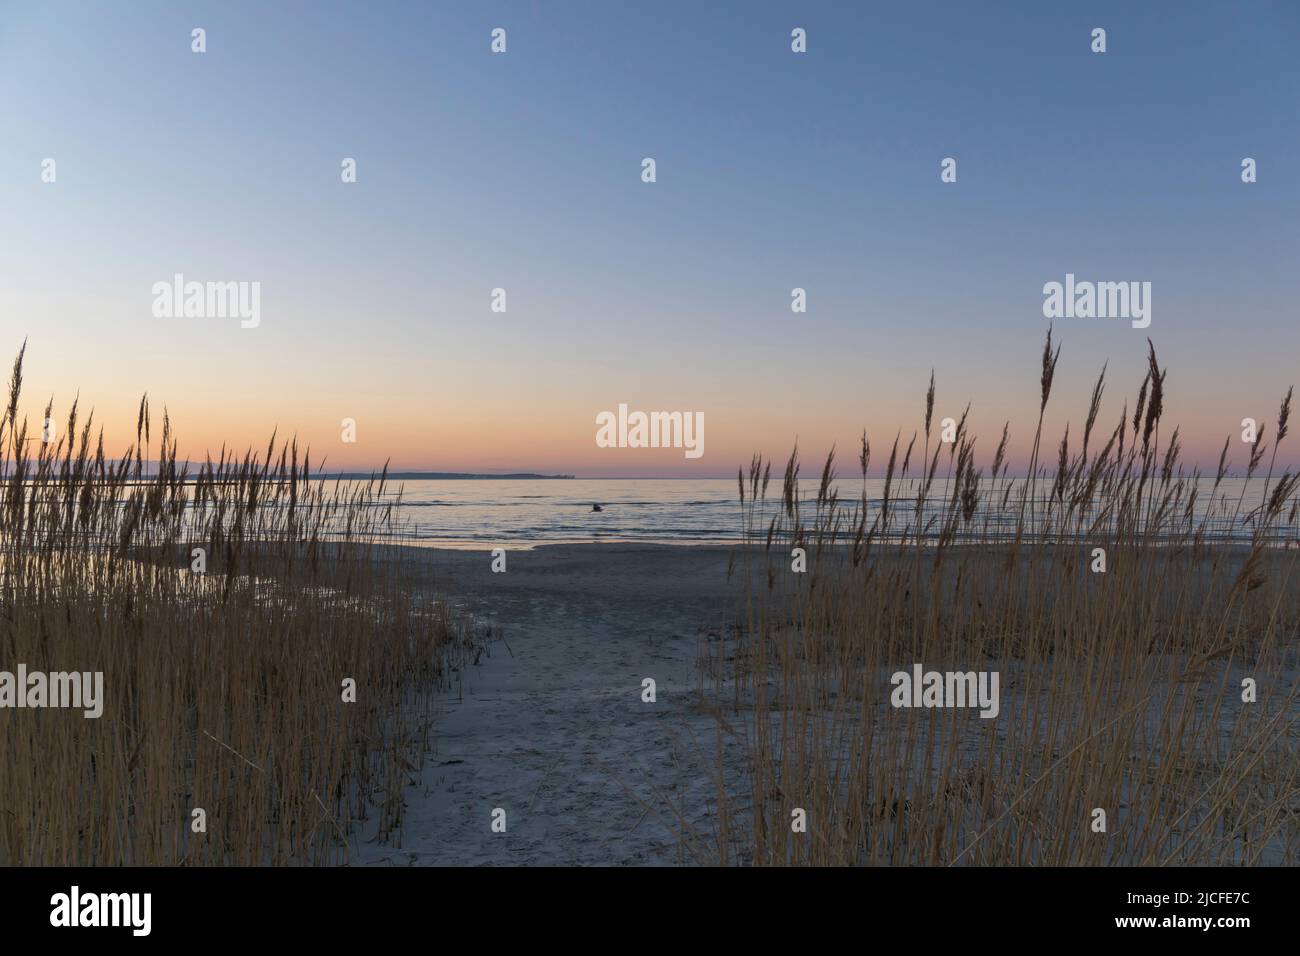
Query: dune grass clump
226,609
1148,710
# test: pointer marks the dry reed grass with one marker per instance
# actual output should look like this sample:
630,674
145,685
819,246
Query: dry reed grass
223,690
1119,690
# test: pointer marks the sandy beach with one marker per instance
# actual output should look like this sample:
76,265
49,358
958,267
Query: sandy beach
598,437
550,724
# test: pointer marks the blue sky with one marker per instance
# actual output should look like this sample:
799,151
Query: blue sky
521,170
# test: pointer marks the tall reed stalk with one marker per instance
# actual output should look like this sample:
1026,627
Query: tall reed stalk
226,609
1121,690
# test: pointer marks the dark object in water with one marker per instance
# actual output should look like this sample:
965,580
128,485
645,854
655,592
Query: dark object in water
597,508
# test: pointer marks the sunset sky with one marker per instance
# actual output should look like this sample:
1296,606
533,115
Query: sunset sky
522,170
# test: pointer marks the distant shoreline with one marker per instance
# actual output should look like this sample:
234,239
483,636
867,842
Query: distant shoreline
448,476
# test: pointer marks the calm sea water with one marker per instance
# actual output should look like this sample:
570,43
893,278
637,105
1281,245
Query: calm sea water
554,511
472,513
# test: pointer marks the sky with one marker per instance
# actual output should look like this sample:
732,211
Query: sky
522,171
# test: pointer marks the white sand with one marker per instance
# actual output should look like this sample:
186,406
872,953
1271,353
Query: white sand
551,726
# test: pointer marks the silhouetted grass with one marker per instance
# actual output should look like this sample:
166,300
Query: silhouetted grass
1120,690
224,689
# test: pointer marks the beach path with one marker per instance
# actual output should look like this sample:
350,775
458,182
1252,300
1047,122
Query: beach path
551,726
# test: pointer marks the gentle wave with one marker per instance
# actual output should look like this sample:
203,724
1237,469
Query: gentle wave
691,510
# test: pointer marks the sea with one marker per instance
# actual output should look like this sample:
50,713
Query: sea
478,512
